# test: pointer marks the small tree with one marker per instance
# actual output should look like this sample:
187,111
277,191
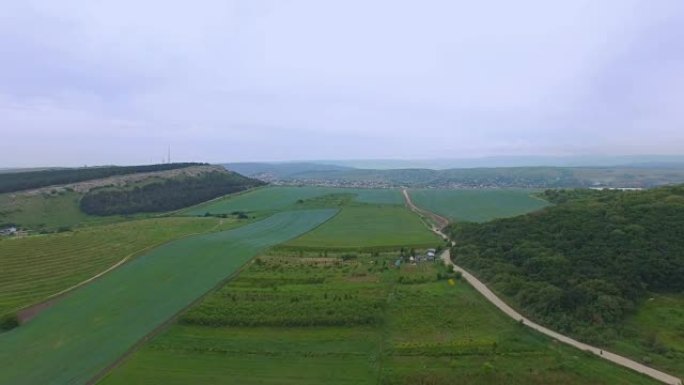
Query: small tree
9,321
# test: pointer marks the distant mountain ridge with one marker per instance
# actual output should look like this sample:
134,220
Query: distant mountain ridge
514,161
636,176
280,170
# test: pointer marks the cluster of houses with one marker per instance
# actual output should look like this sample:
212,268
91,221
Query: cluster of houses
429,256
8,231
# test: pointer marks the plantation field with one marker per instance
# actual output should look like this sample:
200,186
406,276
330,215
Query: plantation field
46,211
346,319
369,226
72,341
477,205
36,267
282,197
655,334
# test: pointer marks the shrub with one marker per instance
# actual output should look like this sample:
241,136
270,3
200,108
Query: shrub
9,321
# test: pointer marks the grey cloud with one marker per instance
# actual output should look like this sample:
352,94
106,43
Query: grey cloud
242,80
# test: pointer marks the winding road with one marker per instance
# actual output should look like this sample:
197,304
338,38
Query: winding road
494,299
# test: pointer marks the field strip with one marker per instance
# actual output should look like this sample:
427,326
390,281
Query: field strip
87,331
238,193
509,311
26,313
159,329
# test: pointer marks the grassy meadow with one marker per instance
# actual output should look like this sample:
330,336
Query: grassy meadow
285,197
114,312
48,211
477,205
354,319
369,227
36,267
655,334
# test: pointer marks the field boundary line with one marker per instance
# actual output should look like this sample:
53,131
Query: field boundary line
231,195
172,320
509,311
168,323
49,300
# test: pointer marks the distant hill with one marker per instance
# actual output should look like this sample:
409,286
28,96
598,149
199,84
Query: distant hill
57,207
513,161
586,263
536,177
25,180
165,194
280,171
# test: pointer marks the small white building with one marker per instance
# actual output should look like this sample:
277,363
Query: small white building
8,231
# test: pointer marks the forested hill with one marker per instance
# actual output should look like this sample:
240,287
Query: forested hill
165,194
584,264
17,181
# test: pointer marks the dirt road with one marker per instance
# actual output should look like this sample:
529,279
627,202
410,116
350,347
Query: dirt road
439,221
491,297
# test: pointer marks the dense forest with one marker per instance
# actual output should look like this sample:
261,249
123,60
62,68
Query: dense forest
170,194
17,181
584,264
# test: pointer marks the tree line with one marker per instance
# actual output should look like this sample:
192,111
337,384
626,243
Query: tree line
584,264
170,194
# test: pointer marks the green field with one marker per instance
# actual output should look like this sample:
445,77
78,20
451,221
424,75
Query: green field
46,211
477,205
88,330
290,319
281,198
36,267
655,334
369,226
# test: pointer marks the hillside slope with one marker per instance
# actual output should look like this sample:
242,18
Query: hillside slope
166,194
25,180
63,206
585,266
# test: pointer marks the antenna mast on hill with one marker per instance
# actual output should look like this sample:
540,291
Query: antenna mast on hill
168,159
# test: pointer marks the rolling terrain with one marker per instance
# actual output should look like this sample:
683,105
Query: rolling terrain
363,227
114,198
306,319
133,300
602,266
21,180
641,176
35,268
478,205
275,198
326,300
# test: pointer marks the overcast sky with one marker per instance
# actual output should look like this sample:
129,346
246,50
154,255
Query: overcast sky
104,82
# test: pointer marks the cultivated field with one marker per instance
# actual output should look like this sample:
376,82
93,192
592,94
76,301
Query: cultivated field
281,198
36,267
369,227
345,319
477,205
88,330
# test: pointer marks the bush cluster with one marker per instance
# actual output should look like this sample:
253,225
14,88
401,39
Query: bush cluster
584,264
171,194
